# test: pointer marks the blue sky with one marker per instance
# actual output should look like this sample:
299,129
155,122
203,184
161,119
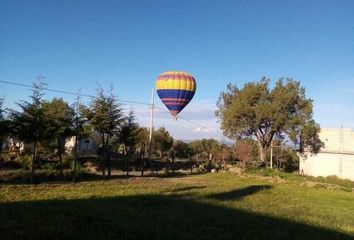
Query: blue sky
76,44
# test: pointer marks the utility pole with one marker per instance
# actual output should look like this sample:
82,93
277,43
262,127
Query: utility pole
151,128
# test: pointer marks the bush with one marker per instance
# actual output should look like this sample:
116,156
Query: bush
50,166
10,165
339,181
24,176
26,161
291,162
201,168
332,180
166,171
67,161
217,166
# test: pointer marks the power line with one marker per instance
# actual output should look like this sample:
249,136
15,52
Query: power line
192,122
71,93
185,119
120,100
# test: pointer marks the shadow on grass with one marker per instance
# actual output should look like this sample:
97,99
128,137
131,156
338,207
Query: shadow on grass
53,177
147,217
239,193
183,189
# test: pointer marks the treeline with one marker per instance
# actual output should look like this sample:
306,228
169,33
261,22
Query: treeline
41,129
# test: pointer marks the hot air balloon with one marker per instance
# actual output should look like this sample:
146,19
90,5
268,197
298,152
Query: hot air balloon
176,90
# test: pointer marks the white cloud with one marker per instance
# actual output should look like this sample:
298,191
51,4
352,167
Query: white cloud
200,113
206,130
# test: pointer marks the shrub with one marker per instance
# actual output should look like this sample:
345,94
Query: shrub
166,171
26,161
50,166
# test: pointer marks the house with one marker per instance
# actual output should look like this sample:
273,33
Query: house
336,158
86,146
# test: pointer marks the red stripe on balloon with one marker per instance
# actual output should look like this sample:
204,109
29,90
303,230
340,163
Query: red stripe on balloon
174,103
175,99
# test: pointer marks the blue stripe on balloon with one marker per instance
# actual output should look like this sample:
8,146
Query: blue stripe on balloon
174,93
180,94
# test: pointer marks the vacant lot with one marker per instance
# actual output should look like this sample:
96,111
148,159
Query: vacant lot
210,206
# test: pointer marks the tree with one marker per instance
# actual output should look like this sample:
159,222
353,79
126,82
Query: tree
198,149
264,114
162,141
224,153
205,148
181,149
81,129
128,133
60,118
128,136
142,140
30,124
106,118
244,151
4,126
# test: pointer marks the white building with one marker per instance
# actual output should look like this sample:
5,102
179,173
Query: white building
336,158
86,146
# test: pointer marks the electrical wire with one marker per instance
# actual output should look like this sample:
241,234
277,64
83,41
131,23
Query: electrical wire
118,99
71,93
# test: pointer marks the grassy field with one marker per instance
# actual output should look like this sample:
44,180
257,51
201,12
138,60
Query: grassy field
209,206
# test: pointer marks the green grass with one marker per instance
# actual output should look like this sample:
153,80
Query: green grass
209,206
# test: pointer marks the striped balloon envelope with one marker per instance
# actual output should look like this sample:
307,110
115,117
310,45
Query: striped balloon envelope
176,90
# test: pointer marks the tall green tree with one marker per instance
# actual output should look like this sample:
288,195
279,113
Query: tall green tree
264,114
29,125
128,136
142,143
142,140
128,133
60,118
162,141
106,118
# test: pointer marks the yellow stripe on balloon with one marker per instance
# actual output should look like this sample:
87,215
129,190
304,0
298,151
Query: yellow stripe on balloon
176,84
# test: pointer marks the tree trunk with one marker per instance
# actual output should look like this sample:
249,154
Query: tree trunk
261,153
75,158
127,159
142,159
59,155
127,166
60,165
1,143
103,159
108,159
142,166
34,162
191,163
173,164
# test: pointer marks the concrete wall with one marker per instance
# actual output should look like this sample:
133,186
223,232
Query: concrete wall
336,158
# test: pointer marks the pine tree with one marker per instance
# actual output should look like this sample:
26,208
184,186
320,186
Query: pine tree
30,124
